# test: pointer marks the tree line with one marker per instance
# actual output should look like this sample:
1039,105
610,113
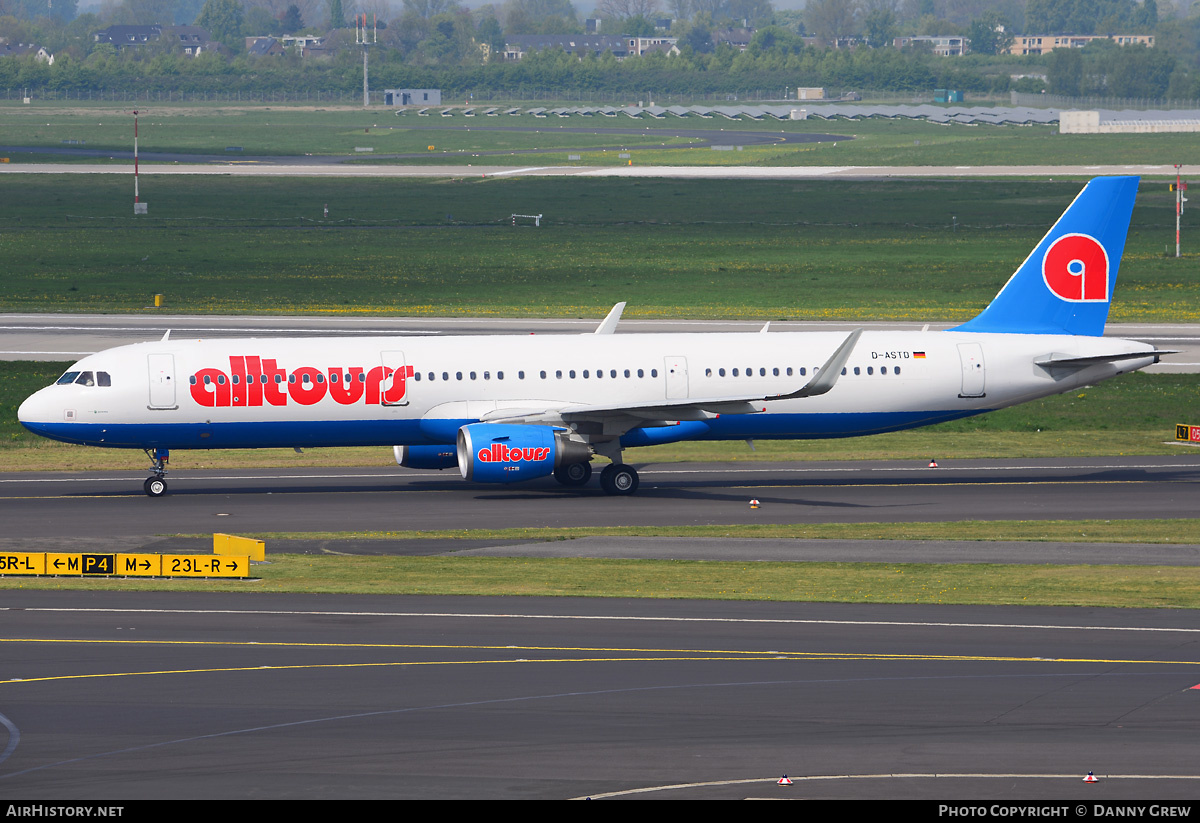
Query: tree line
439,44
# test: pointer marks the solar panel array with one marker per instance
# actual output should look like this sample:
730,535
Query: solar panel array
993,115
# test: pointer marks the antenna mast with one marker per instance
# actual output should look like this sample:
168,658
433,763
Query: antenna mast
365,38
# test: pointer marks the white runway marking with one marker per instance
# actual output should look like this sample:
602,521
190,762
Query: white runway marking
632,618
897,776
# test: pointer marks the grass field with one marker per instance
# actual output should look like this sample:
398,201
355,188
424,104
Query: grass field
918,250
1088,586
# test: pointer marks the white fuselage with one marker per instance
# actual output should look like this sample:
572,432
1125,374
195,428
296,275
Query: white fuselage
420,390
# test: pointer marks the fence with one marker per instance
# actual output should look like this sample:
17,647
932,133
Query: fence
1059,101
145,96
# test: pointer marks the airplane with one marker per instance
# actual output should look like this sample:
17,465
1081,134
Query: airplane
509,408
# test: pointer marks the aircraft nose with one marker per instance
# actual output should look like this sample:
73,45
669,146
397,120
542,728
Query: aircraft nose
33,410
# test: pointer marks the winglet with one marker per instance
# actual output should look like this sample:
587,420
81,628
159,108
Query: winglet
609,324
828,374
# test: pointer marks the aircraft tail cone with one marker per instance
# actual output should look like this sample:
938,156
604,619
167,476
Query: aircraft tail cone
783,781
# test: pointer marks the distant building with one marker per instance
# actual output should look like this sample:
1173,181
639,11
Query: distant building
264,47
191,40
1090,122
941,46
518,45
646,45
734,38
620,46
301,41
1046,43
412,97
39,53
810,94
124,37
668,49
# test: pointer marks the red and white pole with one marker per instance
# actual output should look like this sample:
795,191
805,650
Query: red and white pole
135,158
1178,206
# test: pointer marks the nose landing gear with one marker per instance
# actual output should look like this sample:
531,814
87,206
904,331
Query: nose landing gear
156,486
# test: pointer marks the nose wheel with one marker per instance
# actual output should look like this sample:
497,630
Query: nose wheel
156,486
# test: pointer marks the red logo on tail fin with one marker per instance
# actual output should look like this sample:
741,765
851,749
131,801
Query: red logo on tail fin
1075,269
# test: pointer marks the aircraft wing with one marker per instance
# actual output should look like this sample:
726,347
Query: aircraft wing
690,408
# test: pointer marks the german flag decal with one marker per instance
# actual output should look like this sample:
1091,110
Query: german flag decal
920,355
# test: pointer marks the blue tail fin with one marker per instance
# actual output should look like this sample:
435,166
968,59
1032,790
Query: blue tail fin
1066,284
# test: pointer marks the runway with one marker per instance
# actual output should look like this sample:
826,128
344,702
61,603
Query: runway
123,696
57,337
64,507
114,696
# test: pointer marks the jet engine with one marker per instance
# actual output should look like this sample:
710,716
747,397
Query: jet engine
425,457
506,453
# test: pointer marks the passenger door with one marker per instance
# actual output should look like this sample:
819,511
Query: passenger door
161,368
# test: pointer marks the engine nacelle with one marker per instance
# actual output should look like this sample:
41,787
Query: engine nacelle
426,457
506,453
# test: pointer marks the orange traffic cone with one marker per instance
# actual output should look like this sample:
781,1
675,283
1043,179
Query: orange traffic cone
754,504
783,781
1091,778
933,463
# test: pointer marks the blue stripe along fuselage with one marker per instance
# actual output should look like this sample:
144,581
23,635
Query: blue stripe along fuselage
332,433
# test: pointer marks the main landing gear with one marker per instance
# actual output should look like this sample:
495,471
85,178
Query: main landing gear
156,486
573,475
619,479
616,479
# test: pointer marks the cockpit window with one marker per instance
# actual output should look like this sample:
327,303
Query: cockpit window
85,379
67,378
102,379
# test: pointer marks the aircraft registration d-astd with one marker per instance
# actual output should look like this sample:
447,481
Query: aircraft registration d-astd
511,408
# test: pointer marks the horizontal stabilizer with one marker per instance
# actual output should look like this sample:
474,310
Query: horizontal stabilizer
1066,361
